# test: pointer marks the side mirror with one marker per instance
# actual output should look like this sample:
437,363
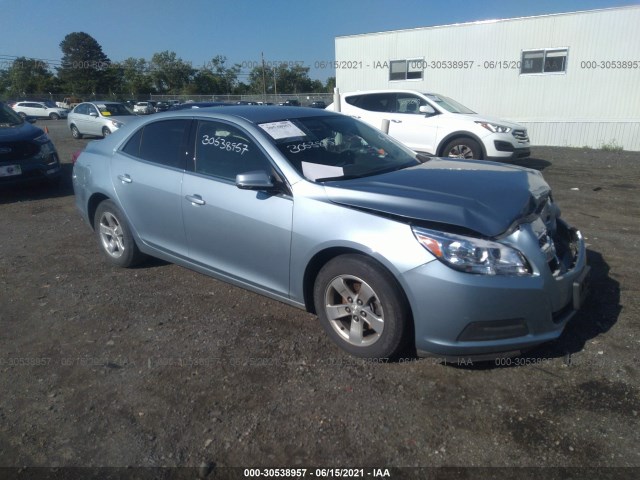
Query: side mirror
427,109
258,180
31,119
93,114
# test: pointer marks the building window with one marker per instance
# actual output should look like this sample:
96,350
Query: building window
550,60
411,69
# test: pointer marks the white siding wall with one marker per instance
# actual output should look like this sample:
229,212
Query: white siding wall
582,107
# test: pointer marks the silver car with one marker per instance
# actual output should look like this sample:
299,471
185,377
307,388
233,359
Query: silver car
97,118
394,251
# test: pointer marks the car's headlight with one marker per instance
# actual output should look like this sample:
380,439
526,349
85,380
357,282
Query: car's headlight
473,255
116,123
494,127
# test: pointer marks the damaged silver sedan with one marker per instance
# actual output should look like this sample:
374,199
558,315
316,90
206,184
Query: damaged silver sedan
392,250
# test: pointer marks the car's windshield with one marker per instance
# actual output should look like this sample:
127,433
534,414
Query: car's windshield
337,147
113,109
9,118
448,104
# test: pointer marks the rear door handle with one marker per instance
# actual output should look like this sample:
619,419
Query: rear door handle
195,199
396,121
125,178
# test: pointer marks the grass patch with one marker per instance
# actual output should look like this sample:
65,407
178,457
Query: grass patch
612,146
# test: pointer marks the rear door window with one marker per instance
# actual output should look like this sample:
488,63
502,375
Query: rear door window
162,142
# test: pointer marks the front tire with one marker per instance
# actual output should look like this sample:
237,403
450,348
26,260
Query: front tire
75,132
463,148
105,132
361,307
54,116
114,236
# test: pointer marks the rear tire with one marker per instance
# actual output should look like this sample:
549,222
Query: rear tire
75,132
463,147
361,307
114,236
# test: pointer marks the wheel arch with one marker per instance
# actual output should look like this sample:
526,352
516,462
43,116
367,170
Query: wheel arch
460,134
92,205
322,257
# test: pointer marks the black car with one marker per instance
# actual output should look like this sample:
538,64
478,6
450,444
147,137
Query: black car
26,152
291,103
318,104
162,106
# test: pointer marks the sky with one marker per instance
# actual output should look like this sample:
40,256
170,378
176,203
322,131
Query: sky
300,31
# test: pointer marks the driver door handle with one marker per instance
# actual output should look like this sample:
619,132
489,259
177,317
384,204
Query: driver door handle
195,199
396,121
125,178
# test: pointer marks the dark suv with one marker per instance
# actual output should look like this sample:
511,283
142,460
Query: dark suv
26,152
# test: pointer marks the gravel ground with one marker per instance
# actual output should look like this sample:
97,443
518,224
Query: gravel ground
159,366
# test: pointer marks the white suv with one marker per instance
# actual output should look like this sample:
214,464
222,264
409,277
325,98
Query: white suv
435,124
40,110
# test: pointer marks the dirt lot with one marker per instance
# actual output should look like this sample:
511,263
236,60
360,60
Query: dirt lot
161,366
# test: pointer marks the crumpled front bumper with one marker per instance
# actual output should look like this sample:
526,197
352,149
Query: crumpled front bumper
460,314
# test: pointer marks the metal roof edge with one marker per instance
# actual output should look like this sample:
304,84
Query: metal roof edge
484,22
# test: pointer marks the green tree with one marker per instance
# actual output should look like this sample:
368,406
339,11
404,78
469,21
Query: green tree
215,78
4,84
28,76
85,68
135,77
330,84
282,79
169,73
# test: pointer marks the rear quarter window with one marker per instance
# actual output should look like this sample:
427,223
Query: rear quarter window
160,142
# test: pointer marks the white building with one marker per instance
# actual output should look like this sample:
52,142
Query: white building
573,78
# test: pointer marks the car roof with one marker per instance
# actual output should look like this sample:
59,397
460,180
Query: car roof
100,102
388,90
258,113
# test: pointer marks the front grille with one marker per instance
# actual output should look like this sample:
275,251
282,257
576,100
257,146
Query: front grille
521,136
12,151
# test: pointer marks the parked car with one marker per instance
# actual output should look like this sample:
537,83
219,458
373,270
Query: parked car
29,108
392,249
97,118
190,105
318,104
438,125
69,102
143,108
162,107
290,103
26,152
129,104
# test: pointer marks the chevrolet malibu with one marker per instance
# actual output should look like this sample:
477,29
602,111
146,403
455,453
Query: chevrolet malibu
394,251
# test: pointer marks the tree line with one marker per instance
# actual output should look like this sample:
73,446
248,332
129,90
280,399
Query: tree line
85,69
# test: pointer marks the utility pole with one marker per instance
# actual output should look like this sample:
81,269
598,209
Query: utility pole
275,88
264,81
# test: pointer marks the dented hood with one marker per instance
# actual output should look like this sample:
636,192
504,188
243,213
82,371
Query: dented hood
485,197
